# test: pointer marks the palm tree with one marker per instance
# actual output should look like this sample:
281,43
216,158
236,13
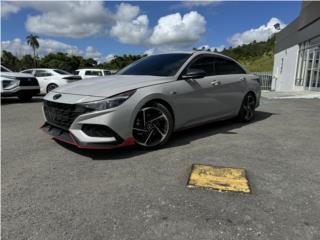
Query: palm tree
32,41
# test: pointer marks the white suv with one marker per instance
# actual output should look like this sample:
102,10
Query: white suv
90,73
50,79
24,86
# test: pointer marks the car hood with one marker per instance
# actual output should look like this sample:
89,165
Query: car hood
110,85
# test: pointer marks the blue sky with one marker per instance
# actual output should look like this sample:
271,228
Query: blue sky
103,29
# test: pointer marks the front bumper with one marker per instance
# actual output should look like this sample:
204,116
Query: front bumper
65,121
32,90
84,141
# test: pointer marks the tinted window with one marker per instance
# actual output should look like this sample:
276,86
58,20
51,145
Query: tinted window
42,73
107,73
3,69
76,72
225,66
61,72
93,73
157,65
205,64
27,71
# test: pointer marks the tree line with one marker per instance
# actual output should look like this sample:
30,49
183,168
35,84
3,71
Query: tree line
63,61
256,56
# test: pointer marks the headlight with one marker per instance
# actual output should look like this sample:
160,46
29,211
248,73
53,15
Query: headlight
9,83
110,102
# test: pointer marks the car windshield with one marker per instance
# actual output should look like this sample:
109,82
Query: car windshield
3,69
157,65
62,72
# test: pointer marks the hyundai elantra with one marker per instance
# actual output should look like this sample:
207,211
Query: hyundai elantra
147,101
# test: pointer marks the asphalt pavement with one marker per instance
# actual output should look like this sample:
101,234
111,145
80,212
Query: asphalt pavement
54,191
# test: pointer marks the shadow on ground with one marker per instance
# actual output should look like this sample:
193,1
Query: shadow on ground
178,139
15,100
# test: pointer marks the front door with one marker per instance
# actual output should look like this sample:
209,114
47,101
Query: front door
196,99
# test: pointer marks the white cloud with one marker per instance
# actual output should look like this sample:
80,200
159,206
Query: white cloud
80,19
126,12
20,48
130,28
109,57
259,34
8,8
207,47
69,19
178,31
16,47
150,51
171,32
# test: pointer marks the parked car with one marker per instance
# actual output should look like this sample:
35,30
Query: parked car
23,86
150,99
50,79
90,73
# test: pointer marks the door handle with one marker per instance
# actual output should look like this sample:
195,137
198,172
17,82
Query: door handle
215,83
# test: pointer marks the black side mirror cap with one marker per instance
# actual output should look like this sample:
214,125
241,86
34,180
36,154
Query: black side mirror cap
193,73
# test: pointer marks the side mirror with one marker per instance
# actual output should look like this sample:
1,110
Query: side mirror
194,73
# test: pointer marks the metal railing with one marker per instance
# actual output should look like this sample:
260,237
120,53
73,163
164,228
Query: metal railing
265,79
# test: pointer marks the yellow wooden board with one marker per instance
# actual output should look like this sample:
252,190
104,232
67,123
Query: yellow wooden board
218,178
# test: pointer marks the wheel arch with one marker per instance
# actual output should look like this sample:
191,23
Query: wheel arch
253,93
154,98
164,103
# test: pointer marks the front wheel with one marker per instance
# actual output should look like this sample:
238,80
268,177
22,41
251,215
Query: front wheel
247,109
153,126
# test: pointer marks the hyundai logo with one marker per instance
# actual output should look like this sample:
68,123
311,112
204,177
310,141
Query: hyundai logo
55,97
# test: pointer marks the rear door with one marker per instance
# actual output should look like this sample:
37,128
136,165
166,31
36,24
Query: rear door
231,85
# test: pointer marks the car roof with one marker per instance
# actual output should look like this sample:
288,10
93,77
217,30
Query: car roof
197,52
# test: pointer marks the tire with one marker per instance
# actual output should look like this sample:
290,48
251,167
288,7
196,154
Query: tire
51,86
153,126
247,110
25,97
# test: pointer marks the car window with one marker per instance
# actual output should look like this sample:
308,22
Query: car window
205,64
61,72
225,66
76,72
27,71
3,69
93,73
107,72
42,73
157,65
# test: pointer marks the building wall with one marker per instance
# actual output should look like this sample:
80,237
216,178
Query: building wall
284,69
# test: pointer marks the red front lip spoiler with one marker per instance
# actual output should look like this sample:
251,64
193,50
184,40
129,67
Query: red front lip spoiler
67,137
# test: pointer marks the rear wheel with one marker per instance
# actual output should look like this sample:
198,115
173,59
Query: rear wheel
247,109
51,86
153,126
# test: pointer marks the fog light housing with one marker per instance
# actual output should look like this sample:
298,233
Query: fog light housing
96,130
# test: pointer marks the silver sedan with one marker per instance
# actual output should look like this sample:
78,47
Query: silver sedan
150,99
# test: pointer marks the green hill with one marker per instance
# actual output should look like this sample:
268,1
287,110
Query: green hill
256,56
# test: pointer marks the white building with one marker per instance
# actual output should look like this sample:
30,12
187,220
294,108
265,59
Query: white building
297,52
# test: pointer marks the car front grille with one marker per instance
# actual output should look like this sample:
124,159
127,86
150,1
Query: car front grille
28,81
61,114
